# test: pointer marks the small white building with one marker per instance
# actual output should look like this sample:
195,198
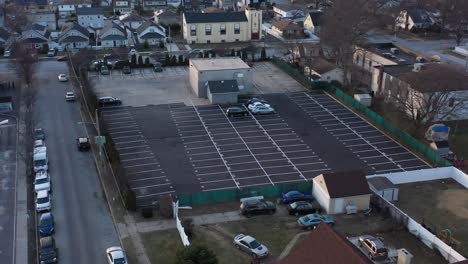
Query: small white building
74,37
113,35
151,33
337,191
219,69
65,11
90,17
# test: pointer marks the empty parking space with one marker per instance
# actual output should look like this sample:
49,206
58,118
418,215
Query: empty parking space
138,74
378,151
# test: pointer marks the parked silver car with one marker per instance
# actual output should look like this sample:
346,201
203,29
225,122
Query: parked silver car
250,245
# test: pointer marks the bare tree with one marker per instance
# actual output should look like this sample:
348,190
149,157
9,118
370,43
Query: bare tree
15,18
345,27
457,20
25,65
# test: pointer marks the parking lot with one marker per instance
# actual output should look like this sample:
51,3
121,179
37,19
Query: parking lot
187,149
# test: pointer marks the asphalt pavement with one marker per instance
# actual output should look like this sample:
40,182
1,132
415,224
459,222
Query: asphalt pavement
84,227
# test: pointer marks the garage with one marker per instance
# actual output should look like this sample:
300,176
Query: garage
222,92
342,192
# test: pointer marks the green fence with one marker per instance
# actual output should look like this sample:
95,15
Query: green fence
414,144
231,195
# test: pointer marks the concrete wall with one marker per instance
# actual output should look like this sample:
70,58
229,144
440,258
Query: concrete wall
225,98
198,79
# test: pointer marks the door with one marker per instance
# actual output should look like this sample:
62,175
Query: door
115,43
338,206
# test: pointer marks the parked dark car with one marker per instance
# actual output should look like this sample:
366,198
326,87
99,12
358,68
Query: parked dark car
83,144
374,247
46,224
126,69
257,206
120,64
303,208
48,253
109,101
236,111
294,196
157,67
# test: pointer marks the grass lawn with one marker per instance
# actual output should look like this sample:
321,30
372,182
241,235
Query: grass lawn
129,250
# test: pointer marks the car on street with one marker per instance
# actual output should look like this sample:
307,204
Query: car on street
62,77
126,69
43,201
373,246
109,101
42,181
251,246
262,110
294,196
83,144
39,134
256,206
303,208
46,224
7,53
310,221
70,97
51,53
62,58
236,111
115,255
48,252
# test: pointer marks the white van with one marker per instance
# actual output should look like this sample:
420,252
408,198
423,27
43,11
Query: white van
43,201
40,159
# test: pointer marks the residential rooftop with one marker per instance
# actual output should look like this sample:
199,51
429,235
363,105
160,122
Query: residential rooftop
385,50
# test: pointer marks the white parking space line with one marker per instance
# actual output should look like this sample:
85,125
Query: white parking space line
394,154
223,180
121,122
414,167
118,127
122,132
391,148
138,135
147,179
143,146
133,153
199,147
380,163
153,194
150,186
211,166
203,153
139,165
145,171
240,163
127,160
352,139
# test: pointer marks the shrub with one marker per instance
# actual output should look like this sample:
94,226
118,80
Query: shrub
161,44
263,54
181,59
146,44
147,61
133,60
140,60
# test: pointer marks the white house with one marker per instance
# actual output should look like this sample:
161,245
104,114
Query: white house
113,35
312,22
322,70
131,20
415,18
287,12
151,32
122,6
35,37
90,17
42,17
336,192
153,5
74,37
65,11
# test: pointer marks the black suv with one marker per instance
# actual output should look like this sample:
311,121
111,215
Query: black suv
48,253
236,111
109,101
257,206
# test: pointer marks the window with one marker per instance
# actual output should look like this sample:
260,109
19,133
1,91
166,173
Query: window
222,41
193,30
236,28
208,29
237,40
222,30
193,41
208,42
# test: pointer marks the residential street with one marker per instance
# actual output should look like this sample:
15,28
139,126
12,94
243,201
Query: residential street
428,47
84,227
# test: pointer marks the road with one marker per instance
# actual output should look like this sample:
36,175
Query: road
428,47
84,227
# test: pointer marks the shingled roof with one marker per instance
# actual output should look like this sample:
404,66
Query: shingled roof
324,245
346,184
215,17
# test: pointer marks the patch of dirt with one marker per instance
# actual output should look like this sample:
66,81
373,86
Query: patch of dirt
458,201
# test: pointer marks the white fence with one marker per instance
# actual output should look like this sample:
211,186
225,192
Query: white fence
180,228
429,239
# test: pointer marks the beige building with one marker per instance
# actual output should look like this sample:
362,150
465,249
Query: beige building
338,192
222,27
219,69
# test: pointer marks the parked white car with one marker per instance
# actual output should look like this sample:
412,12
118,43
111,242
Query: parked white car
263,110
115,255
250,245
70,96
43,202
42,181
62,77
257,104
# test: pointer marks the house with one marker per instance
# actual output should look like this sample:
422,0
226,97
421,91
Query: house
5,37
321,70
288,29
414,19
42,17
92,17
113,35
325,245
151,33
153,5
120,7
312,22
226,4
420,87
169,16
131,21
74,37
32,4
219,69
35,37
222,92
65,11
308,50
287,12
335,192
222,27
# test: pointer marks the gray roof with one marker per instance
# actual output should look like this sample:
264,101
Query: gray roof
381,183
226,86
4,34
71,39
133,18
89,11
34,40
152,35
114,37
110,26
215,17
77,27
146,25
38,27
420,16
